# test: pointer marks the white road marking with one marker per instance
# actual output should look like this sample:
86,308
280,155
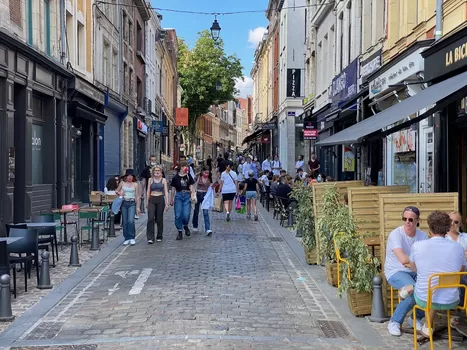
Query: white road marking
124,274
139,284
114,289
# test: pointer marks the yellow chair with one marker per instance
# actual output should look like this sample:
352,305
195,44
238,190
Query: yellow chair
445,280
340,260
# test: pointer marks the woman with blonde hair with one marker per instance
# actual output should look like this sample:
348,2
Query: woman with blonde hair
455,233
157,203
129,189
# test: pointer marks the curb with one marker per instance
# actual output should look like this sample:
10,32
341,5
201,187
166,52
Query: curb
29,318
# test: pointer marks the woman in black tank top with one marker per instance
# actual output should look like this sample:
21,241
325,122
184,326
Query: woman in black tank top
157,190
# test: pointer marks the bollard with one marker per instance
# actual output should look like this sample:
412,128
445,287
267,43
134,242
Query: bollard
95,240
299,232
5,299
111,225
377,305
290,218
44,274
74,257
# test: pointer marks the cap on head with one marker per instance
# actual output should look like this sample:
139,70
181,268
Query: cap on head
413,209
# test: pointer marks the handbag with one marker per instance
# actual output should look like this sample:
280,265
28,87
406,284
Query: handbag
238,204
194,199
116,205
217,204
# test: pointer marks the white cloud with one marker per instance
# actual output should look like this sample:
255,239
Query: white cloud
244,87
255,36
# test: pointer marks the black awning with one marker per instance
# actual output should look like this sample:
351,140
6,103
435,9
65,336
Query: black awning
396,113
77,109
253,136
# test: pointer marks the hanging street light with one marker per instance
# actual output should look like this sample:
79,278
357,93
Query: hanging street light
215,30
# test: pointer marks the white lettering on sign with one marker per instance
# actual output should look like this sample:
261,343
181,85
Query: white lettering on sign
36,142
371,66
458,54
339,84
294,94
139,284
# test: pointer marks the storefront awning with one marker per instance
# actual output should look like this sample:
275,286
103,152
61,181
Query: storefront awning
358,132
252,136
77,109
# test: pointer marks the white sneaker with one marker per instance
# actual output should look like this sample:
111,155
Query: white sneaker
150,241
418,324
132,242
136,217
394,328
426,331
195,229
126,242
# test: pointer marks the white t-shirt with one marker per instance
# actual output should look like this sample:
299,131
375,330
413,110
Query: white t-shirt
449,258
299,164
229,182
265,180
462,239
398,239
276,164
266,165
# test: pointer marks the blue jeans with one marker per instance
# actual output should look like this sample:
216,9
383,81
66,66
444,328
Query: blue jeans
207,225
182,209
128,216
397,281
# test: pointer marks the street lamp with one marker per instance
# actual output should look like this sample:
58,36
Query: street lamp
215,30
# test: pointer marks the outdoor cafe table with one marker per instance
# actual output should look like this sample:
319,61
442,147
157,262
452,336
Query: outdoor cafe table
4,258
372,242
64,212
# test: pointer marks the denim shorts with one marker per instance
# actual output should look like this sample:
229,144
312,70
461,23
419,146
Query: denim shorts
251,195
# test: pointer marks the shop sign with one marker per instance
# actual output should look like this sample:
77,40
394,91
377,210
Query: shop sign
290,114
165,131
36,143
293,82
142,127
310,134
348,161
265,139
181,117
157,125
268,126
401,71
89,90
370,65
446,59
344,85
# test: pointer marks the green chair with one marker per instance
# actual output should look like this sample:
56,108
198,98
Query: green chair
91,217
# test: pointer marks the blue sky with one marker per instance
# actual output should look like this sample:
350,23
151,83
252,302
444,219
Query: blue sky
240,32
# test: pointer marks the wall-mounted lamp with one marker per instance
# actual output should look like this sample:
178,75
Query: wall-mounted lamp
100,138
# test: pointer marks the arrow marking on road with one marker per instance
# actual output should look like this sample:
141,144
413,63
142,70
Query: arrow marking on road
124,274
139,284
114,289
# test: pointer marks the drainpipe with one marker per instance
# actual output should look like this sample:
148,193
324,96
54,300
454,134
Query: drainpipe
439,19
63,31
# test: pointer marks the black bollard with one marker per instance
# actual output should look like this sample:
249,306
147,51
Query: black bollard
5,299
95,240
44,274
74,257
377,306
111,225
298,233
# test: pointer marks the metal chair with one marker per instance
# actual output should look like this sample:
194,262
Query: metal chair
47,235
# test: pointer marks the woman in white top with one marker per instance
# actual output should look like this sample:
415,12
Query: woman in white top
129,189
228,188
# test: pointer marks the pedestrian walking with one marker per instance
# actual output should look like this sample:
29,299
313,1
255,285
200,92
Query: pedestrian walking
276,165
182,197
129,190
109,190
251,189
203,183
228,187
157,203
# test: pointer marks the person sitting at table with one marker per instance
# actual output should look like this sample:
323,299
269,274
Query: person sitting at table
450,257
456,235
397,274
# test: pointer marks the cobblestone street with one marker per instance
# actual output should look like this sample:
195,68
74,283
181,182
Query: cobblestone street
246,287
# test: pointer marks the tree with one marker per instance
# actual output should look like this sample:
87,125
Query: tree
207,75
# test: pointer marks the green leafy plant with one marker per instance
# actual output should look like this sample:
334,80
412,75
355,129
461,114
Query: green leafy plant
335,217
304,216
363,266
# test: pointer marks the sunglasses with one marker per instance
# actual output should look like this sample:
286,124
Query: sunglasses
407,219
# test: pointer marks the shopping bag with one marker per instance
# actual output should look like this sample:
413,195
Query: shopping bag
217,204
116,205
238,204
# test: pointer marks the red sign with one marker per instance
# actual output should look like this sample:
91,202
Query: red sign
181,117
310,134
265,139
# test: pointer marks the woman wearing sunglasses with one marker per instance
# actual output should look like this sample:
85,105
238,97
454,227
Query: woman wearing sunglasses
396,269
455,233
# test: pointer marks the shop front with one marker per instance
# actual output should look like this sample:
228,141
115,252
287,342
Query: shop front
116,112
394,82
140,145
86,120
32,112
446,60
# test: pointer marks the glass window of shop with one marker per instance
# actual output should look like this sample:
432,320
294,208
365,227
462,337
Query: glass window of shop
37,140
401,159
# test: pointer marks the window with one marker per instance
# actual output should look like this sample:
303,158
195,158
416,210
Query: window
341,41
130,83
115,70
139,92
130,33
46,26
125,78
106,65
349,6
80,51
124,26
139,38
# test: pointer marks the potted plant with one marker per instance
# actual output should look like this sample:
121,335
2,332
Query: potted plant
363,267
304,221
335,218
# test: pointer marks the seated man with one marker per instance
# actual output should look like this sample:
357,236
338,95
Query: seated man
397,274
450,257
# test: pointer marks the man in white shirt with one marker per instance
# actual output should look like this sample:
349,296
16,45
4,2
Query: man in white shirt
397,273
247,166
299,164
276,165
450,257
266,164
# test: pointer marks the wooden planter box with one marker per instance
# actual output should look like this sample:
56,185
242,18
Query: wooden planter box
359,303
331,273
311,255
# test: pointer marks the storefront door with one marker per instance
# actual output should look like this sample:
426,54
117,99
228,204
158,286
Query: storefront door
76,168
463,174
426,160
